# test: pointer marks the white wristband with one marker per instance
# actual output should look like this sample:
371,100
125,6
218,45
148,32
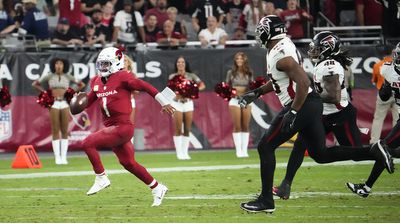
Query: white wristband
162,99
168,93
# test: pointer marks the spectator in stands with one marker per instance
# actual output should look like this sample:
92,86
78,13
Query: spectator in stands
270,9
233,11
127,29
252,13
100,27
35,23
205,9
382,107
368,12
178,26
72,11
59,80
168,38
213,35
239,77
90,38
64,36
183,115
7,24
391,18
88,6
151,29
239,34
107,14
294,17
160,11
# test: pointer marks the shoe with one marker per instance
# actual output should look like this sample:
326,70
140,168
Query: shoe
380,151
359,189
100,183
158,194
282,191
258,206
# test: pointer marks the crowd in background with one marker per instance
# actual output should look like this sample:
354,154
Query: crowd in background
174,22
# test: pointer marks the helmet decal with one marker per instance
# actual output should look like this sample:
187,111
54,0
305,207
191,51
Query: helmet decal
329,41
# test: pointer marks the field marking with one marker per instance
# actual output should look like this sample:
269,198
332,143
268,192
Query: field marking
176,169
293,195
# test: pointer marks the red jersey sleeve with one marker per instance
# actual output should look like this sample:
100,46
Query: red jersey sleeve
91,96
136,84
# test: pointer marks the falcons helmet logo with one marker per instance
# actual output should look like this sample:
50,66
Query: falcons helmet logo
329,41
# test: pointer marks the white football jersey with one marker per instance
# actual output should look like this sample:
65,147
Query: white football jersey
391,76
328,68
284,87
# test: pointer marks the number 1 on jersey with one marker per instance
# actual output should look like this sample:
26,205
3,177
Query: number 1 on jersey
104,99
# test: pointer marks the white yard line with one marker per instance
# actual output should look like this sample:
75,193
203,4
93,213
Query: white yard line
176,169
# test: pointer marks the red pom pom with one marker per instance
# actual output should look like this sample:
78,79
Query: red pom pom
189,89
5,97
69,94
225,91
45,99
258,82
175,83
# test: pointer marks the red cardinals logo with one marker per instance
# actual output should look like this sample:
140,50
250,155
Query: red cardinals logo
118,53
329,41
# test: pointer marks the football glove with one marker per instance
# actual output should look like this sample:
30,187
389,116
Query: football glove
249,97
288,120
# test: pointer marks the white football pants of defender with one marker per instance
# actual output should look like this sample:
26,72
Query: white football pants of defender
381,110
182,142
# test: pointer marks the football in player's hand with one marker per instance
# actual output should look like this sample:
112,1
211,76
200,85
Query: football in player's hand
78,103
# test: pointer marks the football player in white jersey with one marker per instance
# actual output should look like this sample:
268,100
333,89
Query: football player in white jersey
339,115
301,113
391,73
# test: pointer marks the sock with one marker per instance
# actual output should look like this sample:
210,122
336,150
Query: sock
237,140
56,150
153,184
64,150
185,147
245,143
375,173
178,146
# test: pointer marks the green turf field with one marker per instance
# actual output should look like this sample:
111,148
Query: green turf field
319,193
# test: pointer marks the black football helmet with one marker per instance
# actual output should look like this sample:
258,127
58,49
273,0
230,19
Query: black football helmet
269,28
396,56
324,45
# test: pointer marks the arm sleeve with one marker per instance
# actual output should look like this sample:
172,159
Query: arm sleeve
139,19
71,78
195,78
139,85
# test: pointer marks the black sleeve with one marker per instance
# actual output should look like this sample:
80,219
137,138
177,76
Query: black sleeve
385,92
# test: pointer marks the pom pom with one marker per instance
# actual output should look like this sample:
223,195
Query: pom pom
69,94
175,83
258,82
225,91
189,89
5,97
45,99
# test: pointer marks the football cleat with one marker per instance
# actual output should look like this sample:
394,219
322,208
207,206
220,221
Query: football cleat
100,183
258,206
359,189
158,194
380,151
282,191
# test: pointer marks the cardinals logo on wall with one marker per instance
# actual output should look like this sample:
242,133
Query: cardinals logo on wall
82,121
5,125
